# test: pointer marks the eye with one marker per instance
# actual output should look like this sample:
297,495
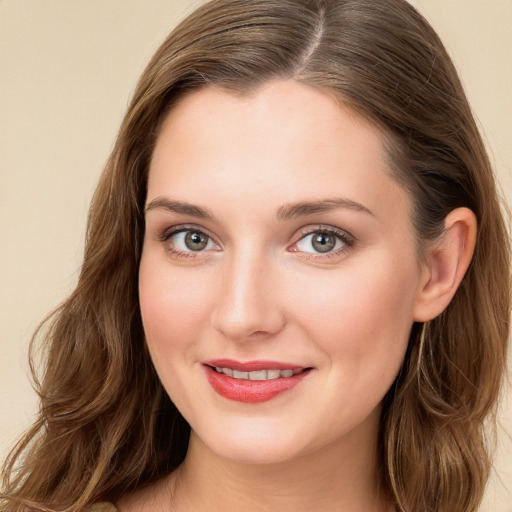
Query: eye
322,241
190,240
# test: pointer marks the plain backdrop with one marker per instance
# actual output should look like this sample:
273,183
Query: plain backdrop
67,70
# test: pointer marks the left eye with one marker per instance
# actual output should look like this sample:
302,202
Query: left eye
191,240
320,242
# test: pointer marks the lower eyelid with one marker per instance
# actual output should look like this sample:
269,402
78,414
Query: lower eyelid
180,254
319,257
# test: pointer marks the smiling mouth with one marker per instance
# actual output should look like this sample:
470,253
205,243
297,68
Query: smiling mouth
258,374
254,381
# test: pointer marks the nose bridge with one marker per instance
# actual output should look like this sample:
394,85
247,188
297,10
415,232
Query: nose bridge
248,301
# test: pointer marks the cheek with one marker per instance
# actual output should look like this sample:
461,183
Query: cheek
173,306
172,302
361,316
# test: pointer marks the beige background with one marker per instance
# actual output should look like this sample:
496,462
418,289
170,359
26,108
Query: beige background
67,69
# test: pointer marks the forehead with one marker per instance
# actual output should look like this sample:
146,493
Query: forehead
285,142
278,113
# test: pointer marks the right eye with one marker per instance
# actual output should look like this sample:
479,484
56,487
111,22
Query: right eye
190,240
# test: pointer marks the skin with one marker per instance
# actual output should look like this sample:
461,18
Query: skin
260,290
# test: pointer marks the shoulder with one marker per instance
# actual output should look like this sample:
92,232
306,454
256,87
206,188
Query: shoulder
104,506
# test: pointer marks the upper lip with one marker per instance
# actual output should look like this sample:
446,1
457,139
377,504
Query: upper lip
252,366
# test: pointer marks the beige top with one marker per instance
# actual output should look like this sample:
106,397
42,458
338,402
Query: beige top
103,506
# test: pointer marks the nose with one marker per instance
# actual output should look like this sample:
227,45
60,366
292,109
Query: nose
248,304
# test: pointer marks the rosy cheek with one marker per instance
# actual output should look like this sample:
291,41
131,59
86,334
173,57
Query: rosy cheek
356,309
173,303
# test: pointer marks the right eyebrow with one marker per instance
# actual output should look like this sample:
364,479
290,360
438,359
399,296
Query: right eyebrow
178,207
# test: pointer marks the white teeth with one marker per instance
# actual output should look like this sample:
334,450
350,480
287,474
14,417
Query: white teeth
259,374
226,371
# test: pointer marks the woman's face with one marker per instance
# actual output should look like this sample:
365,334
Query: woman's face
279,250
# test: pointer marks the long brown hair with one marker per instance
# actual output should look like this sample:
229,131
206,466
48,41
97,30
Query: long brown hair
106,426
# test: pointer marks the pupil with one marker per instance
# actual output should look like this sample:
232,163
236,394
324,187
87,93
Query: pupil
196,241
323,242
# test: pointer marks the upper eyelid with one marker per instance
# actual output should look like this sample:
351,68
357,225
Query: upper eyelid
180,228
308,230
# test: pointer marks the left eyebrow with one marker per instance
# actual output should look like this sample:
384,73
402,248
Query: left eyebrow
292,211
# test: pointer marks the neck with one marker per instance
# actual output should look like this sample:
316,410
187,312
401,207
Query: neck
343,476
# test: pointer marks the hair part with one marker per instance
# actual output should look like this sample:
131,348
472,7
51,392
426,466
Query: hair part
106,425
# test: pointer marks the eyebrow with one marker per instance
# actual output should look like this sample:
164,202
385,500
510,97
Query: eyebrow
178,207
292,211
285,212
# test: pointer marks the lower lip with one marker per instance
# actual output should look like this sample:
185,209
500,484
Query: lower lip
251,391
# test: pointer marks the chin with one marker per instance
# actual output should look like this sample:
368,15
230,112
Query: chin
256,454
262,445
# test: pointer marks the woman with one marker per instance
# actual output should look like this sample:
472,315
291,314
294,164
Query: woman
295,289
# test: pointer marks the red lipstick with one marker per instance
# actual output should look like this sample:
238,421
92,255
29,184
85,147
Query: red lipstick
253,381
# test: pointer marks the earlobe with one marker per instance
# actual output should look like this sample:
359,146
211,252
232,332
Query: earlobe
447,260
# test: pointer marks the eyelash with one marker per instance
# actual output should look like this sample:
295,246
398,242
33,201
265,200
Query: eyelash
173,251
347,240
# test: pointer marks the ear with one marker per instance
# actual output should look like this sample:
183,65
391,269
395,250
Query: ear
446,263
